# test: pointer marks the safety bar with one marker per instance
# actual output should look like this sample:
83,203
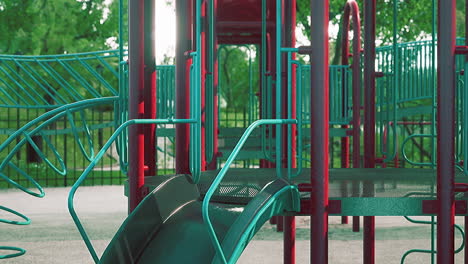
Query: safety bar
432,223
405,155
99,155
222,173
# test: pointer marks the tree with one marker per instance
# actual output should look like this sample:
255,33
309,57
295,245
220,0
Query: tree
43,27
39,27
234,74
414,20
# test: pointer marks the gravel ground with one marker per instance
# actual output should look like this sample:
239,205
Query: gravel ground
53,238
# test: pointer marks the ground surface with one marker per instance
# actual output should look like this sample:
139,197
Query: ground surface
53,238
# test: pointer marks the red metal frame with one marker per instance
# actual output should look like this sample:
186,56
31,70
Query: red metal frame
352,9
319,132
466,194
150,89
446,30
204,65
142,104
369,122
183,62
212,164
136,138
289,9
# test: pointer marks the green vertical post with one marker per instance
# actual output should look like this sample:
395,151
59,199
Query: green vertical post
434,109
396,78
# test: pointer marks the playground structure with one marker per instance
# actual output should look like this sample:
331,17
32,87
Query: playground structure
287,133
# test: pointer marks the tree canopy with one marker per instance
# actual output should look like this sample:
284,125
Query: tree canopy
38,27
414,18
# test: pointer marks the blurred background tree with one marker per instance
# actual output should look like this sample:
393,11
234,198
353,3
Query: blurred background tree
40,27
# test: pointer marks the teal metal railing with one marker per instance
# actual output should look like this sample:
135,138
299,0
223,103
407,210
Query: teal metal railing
340,99
216,182
277,122
99,155
49,81
10,148
167,108
14,251
406,92
432,224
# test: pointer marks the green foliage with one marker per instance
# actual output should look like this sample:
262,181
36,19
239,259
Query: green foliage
38,27
234,72
414,19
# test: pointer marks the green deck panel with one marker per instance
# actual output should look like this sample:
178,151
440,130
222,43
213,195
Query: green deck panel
382,206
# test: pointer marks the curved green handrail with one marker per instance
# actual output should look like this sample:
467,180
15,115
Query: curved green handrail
93,163
423,222
55,114
63,170
85,127
46,119
27,221
28,79
35,127
19,251
39,194
222,173
405,156
246,235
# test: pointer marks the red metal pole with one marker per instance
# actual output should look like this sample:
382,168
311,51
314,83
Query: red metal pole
136,108
344,164
212,164
369,122
446,31
204,54
183,62
319,135
290,221
150,87
465,160
289,240
352,8
345,140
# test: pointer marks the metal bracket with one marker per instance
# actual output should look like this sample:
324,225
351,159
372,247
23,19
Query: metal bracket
431,207
461,50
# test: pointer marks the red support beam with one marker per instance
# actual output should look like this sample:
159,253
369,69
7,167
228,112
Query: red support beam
466,194
446,30
369,122
319,133
150,87
183,62
213,55
352,9
136,105
289,222
204,54
289,240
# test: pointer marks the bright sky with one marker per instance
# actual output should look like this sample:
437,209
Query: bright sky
165,30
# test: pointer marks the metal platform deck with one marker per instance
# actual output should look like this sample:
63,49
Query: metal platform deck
363,192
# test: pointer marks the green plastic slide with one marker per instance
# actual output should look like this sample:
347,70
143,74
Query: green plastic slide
167,227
